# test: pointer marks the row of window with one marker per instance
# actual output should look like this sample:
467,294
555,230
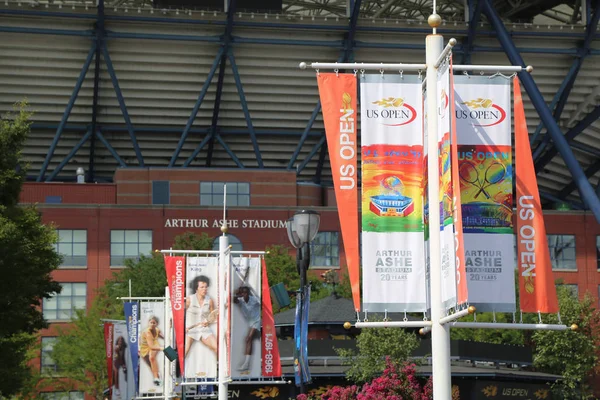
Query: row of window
124,244
211,193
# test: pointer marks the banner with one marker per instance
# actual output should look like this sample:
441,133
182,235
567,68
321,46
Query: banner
132,309
271,361
108,346
462,295
123,381
392,193
446,204
201,318
151,345
338,102
537,292
246,318
297,339
175,267
304,364
483,123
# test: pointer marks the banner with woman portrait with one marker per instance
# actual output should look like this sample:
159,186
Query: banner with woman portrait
123,372
201,318
246,320
483,123
151,346
392,193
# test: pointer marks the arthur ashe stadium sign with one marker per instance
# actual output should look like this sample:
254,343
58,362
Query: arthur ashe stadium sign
231,223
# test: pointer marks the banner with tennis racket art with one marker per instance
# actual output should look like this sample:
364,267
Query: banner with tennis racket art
483,120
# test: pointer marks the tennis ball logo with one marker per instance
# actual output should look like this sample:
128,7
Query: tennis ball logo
390,102
479,103
529,286
346,100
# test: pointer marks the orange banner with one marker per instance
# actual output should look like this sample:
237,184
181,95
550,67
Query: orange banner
536,284
271,361
338,101
462,294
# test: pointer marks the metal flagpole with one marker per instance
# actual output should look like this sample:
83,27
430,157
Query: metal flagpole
223,273
440,334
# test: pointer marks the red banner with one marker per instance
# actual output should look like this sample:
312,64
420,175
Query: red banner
175,267
271,363
338,100
108,345
536,284
462,294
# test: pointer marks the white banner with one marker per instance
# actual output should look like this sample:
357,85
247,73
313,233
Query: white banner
483,120
246,318
201,318
447,245
123,373
392,193
151,345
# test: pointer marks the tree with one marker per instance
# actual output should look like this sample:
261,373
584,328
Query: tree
572,354
376,348
26,249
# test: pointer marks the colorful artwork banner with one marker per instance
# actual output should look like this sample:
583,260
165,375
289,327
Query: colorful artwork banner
175,268
483,128
392,193
108,346
271,361
132,320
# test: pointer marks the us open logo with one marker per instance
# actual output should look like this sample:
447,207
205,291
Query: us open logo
483,112
394,111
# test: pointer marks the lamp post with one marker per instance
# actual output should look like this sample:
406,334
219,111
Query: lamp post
302,229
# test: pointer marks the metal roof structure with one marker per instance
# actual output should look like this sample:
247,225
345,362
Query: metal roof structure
207,83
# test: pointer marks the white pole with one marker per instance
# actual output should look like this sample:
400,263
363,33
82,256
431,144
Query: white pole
223,381
440,334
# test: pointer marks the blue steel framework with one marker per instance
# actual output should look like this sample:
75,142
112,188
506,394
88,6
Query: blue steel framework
551,143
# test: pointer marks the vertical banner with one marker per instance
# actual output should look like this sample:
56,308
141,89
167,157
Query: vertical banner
271,362
175,268
297,339
338,102
462,295
123,382
108,346
151,345
306,378
447,242
537,292
483,124
392,193
246,318
132,319
201,317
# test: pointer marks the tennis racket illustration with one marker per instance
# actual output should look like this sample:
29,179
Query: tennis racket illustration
494,173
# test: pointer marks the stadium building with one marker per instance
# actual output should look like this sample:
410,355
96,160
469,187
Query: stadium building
144,109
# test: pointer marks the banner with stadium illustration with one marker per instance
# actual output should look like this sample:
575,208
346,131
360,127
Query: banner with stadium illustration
447,246
483,123
151,346
246,318
201,318
392,193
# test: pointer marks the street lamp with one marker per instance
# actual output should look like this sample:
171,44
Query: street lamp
302,229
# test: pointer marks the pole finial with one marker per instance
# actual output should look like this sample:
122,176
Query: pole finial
434,20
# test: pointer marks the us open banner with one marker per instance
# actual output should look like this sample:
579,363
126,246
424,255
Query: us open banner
175,268
271,361
447,243
152,344
132,319
201,317
392,193
246,318
123,381
483,124
108,346
537,292
338,99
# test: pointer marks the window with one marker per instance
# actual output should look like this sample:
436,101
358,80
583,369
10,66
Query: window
571,287
48,366
62,396
160,192
60,306
72,246
126,244
325,250
211,193
234,242
562,251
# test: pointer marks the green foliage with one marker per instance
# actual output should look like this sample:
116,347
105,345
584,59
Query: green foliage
570,354
27,251
193,241
498,336
373,346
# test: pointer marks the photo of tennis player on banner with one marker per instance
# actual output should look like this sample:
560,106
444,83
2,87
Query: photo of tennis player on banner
201,317
246,318
123,374
151,345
